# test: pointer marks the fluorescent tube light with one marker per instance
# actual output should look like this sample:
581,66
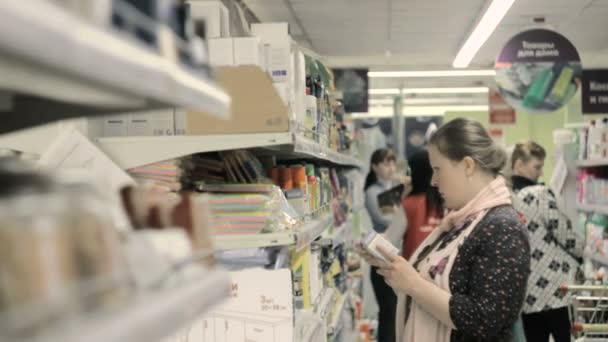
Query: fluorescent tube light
433,101
396,91
385,111
431,73
497,10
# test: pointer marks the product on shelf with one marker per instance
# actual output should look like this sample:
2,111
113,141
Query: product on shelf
237,166
592,186
592,140
248,208
163,176
61,254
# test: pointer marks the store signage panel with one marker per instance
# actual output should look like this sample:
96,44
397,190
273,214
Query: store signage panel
595,91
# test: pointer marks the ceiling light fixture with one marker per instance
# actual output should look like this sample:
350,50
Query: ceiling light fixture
430,73
497,10
385,112
431,101
397,91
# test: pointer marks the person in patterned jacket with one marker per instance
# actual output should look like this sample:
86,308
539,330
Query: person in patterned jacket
556,248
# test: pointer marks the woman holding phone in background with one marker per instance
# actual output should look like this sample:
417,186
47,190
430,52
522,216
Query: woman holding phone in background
382,177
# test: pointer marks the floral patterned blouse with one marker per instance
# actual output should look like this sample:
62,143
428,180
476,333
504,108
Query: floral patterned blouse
489,278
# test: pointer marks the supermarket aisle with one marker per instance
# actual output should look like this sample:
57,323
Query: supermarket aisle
193,170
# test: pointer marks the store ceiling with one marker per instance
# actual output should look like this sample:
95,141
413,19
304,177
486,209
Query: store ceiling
427,34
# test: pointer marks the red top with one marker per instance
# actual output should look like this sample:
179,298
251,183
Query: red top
419,224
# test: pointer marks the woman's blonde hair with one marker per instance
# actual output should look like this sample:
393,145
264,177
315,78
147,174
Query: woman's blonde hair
462,138
526,150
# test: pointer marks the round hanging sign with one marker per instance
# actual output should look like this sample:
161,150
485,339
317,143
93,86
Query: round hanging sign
538,71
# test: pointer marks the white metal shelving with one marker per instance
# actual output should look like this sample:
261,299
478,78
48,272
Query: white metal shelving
311,148
592,162
50,53
340,234
150,317
596,257
599,209
301,237
334,326
129,152
224,242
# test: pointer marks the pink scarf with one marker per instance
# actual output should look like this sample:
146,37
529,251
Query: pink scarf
493,195
421,326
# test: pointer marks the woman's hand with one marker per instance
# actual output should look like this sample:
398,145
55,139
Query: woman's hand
399,273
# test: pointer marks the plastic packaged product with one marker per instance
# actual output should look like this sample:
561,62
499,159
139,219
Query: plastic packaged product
535,96
37,266
371,242
560,87
249,213
100,258
311,115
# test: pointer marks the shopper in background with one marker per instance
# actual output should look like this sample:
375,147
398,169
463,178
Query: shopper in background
527,162
556,248
423,206
467,280
383,176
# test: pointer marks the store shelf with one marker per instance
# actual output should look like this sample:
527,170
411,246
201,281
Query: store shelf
302,237
597,209
255,241
340,234
151,317
592,162
314,229
310,148
129,152
596,257
56,65
324,307
334,327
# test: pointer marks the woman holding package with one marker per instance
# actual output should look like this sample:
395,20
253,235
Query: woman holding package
382,177
467,280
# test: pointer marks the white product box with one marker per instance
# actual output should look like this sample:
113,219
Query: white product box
316,278
215,16
248,51
299,87
221,52
115,125
152,123
277,36
181,121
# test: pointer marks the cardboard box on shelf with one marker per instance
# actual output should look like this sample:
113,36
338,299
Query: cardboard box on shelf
221,52
277,36
151,123
282,89
256,106
248,51
215,16
115,125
